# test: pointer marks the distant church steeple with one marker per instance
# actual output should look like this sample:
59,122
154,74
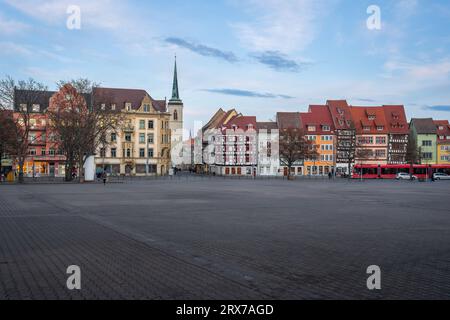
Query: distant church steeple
175,92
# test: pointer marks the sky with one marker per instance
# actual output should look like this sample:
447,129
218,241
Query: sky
258,56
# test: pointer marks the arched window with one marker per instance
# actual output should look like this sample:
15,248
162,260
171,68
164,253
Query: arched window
175,115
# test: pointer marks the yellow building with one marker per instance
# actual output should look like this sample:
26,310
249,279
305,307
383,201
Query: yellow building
443,141
141,146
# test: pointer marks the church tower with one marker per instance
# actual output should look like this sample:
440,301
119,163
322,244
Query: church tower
175,107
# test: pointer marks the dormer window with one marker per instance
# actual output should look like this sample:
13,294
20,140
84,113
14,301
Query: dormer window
146,108
113,107
372,117
441,128
380,128
326,128
341,122
234,127
441,137
249,126
311,128
340,111
128,106
366,128
23,107
103,106
36,108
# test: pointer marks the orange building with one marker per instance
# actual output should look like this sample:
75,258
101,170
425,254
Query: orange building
319,128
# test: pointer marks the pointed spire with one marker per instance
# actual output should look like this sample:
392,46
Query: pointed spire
175,93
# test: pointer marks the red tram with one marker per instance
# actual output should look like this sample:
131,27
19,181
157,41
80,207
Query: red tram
390,171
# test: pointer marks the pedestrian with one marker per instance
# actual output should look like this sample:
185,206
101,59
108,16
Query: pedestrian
104,177
330,175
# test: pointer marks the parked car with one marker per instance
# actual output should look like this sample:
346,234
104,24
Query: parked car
441,176
405,176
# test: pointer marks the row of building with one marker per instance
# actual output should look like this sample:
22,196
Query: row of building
142,145
344,135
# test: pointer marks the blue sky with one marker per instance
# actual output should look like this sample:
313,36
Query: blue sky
259,56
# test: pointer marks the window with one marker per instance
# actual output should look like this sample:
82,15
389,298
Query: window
380,153
427,155
103,107
113,137
113,152
326,128
381,140
175,115
366,128
102,152
141,124
142,153
141,137
36,108
441,128
43,152
380,128
128,153
113,107
150,152
427,143
32,152
151,138
51,152
128,137
23,107
441,137
128,106
372,117
311,128
150,124
146,108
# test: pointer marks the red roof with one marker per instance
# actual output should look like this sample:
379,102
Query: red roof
288,120
242,122
445,132
396,119
340,114
361,119
318,116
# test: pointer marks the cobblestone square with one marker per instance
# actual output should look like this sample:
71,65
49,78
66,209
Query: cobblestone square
215,238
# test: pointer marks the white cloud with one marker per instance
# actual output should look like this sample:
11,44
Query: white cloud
286,26
10,27
11,48
105,14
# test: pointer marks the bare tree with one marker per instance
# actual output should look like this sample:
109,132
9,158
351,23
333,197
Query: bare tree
21,97
295,147
81,126
413,153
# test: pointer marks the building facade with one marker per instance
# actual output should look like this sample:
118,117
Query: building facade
443,141
318,126
371,135
425,133
398,129
268,149
236,147
141,144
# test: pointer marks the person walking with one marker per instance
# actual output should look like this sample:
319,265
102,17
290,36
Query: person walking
104,177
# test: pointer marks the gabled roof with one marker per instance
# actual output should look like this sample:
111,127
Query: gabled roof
318,116
213,122
288,120
444,132
340,114
242,122
396,119
361,119
424,125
